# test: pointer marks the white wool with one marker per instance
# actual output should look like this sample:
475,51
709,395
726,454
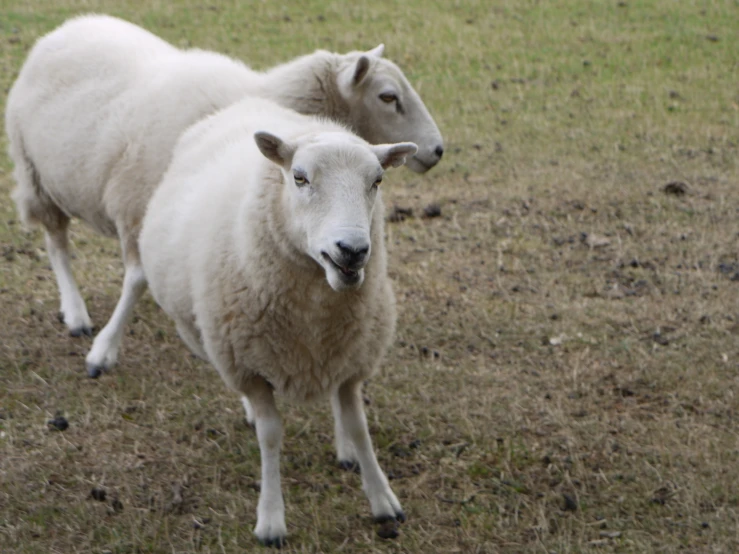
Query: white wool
251,259
99,104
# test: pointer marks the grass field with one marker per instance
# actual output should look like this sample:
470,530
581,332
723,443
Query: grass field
566,371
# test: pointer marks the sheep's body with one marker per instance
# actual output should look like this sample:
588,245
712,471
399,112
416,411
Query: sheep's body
273,315
97,108
233,251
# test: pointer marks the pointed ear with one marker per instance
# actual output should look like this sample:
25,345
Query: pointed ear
360,71
394,154
377,52
274,148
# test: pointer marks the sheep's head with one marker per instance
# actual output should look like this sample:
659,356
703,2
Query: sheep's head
384,108
330,188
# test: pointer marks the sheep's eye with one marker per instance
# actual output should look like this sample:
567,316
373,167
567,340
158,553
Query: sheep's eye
300,180
377,182
388,97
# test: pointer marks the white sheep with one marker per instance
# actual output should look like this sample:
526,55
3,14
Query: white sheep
275,271
99,104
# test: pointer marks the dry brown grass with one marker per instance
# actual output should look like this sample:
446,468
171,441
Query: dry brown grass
565,373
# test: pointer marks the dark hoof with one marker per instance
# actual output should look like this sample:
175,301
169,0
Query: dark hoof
95,371
81,331
388,528
398,517
348,465
277,542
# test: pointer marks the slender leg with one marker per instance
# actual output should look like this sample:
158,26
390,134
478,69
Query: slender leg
270,529
346,453
73,309
249,411
191,338
104,352
350,410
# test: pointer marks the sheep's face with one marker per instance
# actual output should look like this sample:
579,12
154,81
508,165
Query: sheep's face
385,108
331,182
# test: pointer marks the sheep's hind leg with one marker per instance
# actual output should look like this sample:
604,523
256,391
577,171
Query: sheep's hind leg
350,410
72,311
248,410
104,352
190,336
270,529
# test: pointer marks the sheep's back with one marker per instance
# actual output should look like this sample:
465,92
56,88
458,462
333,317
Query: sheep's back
99,105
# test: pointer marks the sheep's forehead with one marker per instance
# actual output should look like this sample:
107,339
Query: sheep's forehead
338,152
385,70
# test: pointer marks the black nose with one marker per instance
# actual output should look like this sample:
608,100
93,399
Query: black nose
439,151
352,255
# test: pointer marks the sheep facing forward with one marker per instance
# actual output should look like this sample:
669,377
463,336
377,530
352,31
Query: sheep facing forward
99,104
275,271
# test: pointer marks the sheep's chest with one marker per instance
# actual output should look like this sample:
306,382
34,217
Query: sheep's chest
304,343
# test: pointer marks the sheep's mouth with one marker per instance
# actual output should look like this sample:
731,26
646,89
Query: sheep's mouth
417,165
348,275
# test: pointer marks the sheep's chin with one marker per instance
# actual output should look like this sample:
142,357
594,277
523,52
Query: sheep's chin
417,166
340,281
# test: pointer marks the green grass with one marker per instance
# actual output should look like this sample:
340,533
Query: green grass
528,365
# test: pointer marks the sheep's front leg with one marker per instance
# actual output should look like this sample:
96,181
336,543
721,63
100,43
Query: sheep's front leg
270,529
104,352
72,311
346,454
350,410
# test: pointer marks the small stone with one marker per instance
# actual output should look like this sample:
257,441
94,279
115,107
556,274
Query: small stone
556,341
596,241
399,214
399,451
660,339
677,188
432,210
570,503
117,505
98,494
59,423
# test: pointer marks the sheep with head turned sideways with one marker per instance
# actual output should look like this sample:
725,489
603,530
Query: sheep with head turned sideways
99,104
264,242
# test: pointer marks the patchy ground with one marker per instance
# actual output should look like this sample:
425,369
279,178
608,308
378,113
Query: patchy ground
565,373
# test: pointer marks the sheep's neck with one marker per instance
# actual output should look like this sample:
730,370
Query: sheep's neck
308,85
